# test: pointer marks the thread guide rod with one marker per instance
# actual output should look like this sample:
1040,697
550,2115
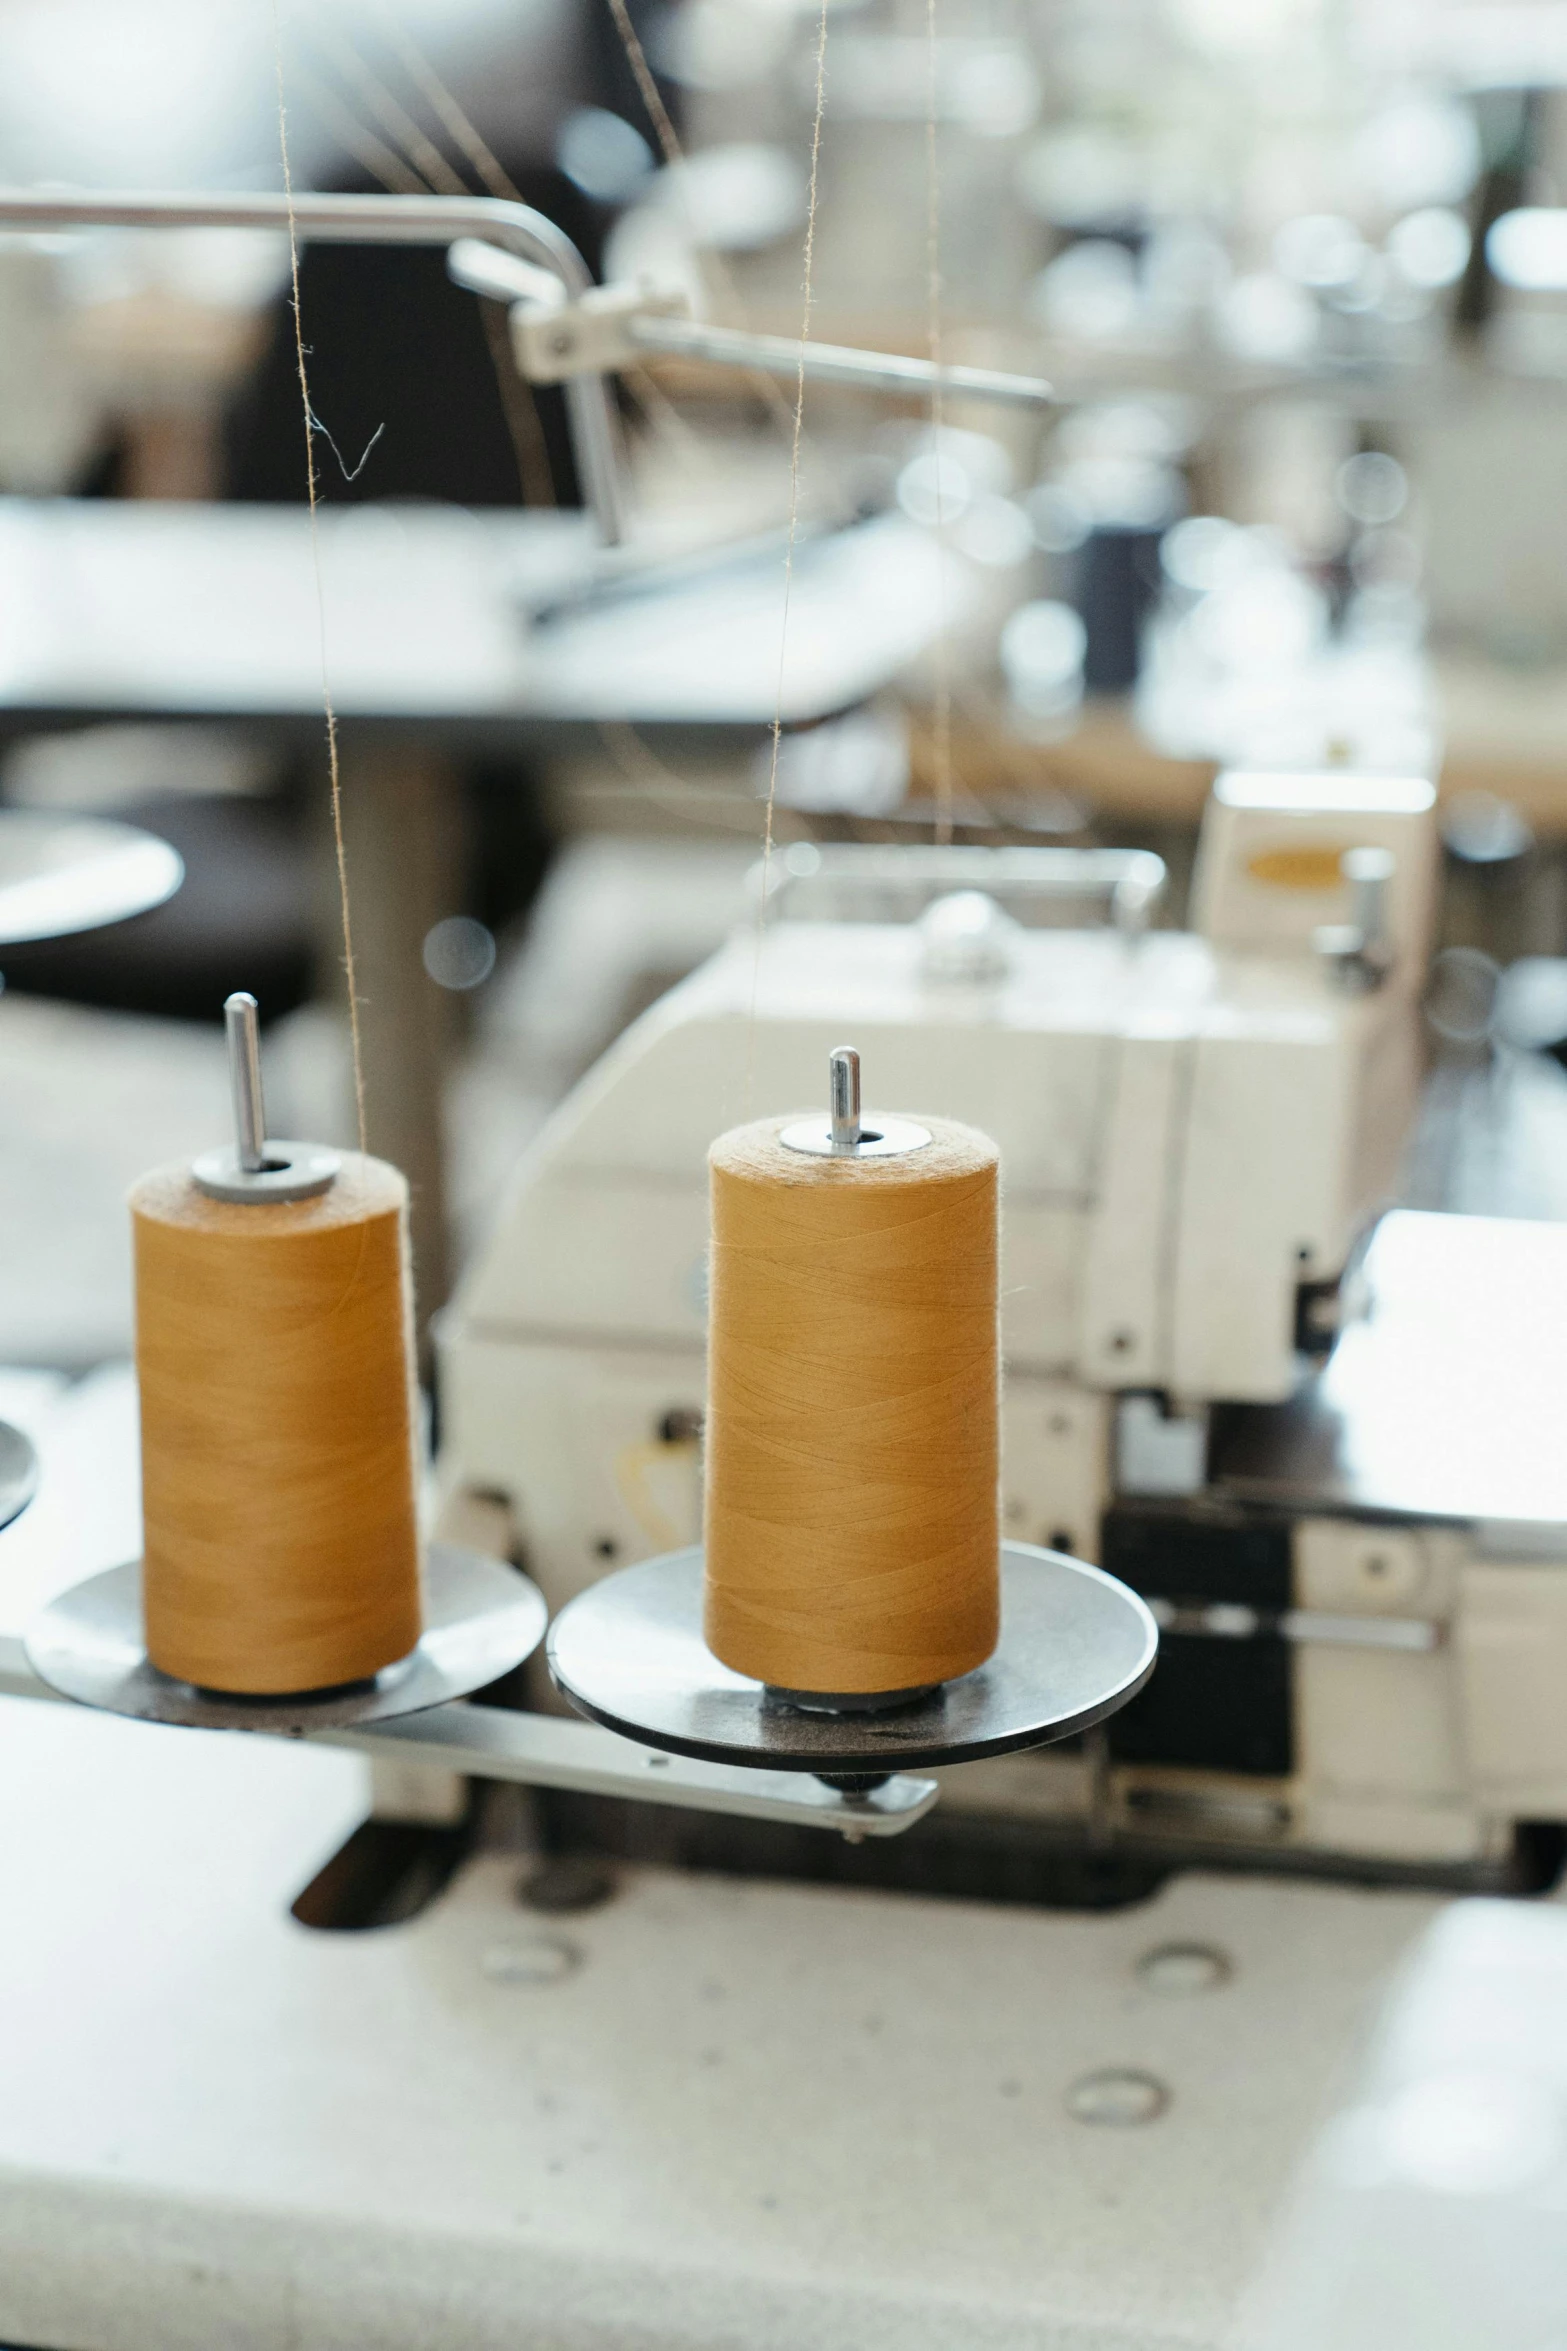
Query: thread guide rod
843,1065
243,1027
251,1168
842,1134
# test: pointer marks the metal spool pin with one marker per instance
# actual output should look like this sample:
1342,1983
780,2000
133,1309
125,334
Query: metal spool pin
842,1134
254,1168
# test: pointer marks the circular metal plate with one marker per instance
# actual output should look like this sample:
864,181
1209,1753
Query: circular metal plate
481,1618
18,1473
883,1138
294,1171
60,875
1075,1645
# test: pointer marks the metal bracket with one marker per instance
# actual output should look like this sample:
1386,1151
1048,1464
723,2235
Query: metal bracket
616,326
539,1751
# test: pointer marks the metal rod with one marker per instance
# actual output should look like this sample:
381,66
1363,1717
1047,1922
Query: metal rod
250,1114
378,220
539,1751
835,363
843,1068
1369,873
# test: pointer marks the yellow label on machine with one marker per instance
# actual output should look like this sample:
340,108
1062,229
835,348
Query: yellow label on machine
1302,865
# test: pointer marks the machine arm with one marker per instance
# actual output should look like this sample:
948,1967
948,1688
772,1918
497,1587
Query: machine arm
380,220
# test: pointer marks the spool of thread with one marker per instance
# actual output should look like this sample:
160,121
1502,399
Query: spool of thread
275,1359
852,1533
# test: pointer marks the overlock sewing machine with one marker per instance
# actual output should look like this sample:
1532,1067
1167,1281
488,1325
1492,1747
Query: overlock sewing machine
1311,1433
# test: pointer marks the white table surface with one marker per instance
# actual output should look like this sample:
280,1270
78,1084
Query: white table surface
132,607
749,2117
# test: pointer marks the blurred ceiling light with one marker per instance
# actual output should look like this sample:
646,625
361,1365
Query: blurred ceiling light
1156,426
935,488
1430,247
988,86
1528,248
1241,24
1042,649
105,93
1264,318
1059,518
1421,149
1081,179
1127,493
1203,551
995,90
459,953
1319,249
1272,620
1089,292
1372,487
734,199
602,154
995,532
722,44
1184,267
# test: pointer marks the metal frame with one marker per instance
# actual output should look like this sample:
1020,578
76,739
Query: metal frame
540,1751
381,220
575,341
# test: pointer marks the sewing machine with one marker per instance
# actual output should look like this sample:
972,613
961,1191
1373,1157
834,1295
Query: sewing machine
1199,1132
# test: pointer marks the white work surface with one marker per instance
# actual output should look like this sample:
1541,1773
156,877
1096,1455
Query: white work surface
750,2115
744,2117
128,606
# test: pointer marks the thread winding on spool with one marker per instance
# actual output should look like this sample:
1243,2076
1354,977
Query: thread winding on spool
274,1353
852,1536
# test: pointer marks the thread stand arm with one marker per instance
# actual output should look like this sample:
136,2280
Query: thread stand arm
377,220
540,1751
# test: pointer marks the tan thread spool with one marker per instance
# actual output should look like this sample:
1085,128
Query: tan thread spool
275,1358
852,1527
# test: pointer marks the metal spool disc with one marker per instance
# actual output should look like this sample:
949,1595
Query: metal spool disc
18,1473
61,875
1075,1646
481,1618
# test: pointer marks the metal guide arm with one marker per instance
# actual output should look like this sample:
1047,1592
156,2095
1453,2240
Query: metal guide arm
613,326
378,220
565,329
542,1751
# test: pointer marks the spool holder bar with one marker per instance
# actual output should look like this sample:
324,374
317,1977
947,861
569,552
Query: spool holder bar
541,1751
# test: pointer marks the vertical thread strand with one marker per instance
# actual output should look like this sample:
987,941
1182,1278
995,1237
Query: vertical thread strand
334,765
941,674
807,273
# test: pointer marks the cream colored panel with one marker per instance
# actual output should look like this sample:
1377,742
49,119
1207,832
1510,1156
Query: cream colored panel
1377,1722
587,1253
1512,1655
1347,1567
1054,1451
